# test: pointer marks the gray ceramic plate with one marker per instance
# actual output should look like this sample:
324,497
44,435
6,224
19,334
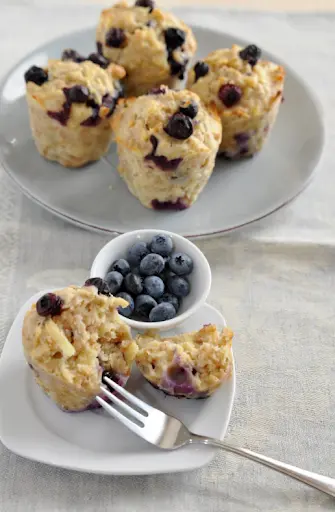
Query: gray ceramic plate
96,198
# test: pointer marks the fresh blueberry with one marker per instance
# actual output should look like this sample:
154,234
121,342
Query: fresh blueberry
150,4
178,286
161,244
98,59
73,55
115,38
121,266
114,280
128,310
201,69
136,253
154,286
76,94
171,299
166,274
181,264
189,110
143,305
162,312
133,284
100,284
251,54
179,126
49,305
36,75
230,94
174,38
152,264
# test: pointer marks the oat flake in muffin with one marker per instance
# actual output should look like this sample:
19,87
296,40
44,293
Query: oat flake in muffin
191,365
153,46
70,346
247,93
70,105
167,142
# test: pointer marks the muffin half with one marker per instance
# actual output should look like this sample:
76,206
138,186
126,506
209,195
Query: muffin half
247,93
70,105
153,46
167,143
191,365
70,337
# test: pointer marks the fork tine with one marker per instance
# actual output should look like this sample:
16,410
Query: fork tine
131,398
116,414
123,405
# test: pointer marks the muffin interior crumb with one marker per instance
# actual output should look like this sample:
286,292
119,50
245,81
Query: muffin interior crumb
97,340
202,359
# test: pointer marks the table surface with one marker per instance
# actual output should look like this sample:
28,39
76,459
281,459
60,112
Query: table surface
274,282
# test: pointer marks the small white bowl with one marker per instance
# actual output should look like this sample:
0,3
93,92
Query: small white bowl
200,279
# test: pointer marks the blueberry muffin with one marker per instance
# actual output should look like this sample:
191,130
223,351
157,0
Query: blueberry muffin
70,337
167,142
246,91
153,46
191,365
70,104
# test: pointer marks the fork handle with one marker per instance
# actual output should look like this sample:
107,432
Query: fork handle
320,482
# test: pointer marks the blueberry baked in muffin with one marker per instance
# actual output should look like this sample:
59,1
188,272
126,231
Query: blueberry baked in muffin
247,93
95,57
70,104
191,365
70,337
153,46
167,142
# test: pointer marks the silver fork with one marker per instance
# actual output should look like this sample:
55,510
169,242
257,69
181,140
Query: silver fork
168,433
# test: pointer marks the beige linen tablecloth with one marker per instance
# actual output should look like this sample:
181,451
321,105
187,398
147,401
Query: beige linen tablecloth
274,282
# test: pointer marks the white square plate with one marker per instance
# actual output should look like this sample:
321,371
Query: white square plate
33,427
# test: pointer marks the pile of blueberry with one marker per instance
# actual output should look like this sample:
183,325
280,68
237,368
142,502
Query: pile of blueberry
152,278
